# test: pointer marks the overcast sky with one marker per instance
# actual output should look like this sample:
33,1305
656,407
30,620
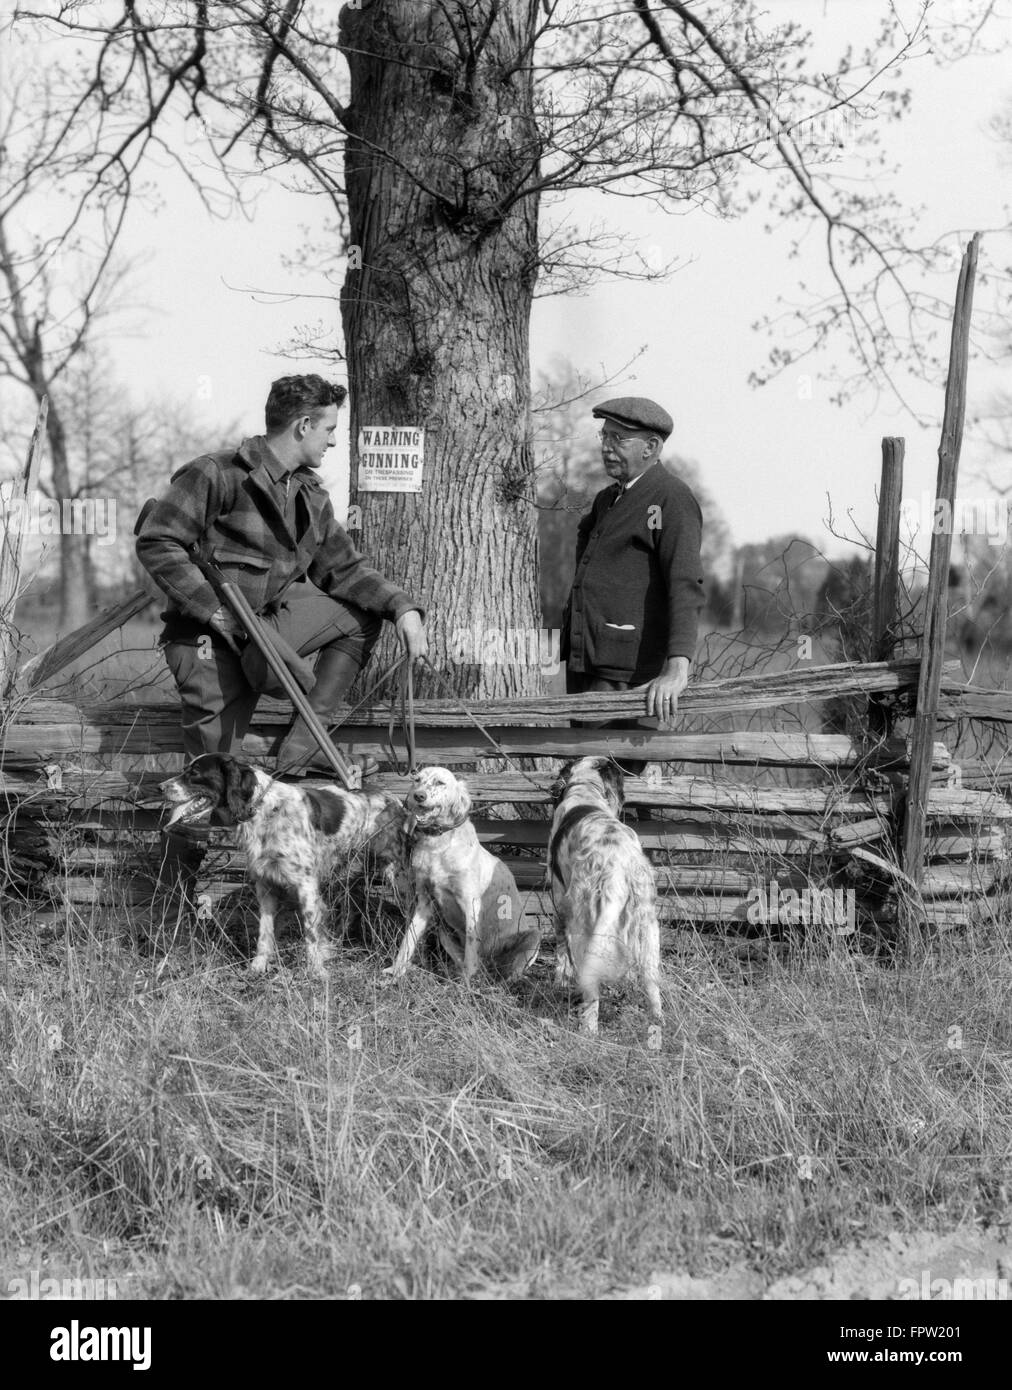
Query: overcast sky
768,456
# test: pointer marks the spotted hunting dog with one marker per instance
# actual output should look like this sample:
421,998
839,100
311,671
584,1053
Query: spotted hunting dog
473,895
603,888
293,836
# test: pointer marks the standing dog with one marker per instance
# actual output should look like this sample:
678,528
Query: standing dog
605,899
293,837
474,895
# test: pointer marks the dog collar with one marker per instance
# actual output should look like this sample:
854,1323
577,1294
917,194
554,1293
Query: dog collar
413,829
254,805
260,796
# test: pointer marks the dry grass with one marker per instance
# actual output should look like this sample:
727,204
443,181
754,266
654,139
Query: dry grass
186,1132
171,1125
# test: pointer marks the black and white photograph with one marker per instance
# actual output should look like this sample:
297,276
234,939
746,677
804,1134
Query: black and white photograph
506,664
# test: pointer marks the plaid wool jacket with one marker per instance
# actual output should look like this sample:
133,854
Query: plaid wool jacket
265,528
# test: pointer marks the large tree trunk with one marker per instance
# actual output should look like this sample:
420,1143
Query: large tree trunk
436,320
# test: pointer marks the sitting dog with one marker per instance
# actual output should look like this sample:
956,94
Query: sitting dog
605,899
474,895
293,837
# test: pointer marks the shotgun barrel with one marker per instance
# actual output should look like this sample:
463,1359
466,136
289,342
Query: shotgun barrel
235,601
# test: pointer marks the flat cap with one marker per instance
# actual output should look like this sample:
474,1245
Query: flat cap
636,413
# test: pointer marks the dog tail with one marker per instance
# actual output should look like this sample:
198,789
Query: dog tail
644,933
648,938
624,908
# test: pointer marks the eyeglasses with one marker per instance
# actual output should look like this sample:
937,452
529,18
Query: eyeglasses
606,437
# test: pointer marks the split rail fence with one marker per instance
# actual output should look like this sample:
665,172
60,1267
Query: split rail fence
717,836
891,819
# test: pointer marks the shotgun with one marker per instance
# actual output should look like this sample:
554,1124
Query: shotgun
235,601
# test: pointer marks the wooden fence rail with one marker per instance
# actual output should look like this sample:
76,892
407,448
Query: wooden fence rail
65,819
715,832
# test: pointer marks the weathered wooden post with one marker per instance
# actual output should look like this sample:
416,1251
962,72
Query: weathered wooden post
887,572
59,655
933,643
17,507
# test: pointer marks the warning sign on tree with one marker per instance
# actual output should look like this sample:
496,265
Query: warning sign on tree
390,458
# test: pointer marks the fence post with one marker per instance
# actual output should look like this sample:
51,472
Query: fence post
16,509
933,643
61,654
887,571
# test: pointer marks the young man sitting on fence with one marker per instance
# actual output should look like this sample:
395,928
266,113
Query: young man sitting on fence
261,514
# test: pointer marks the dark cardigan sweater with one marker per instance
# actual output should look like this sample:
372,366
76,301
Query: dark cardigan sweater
638,586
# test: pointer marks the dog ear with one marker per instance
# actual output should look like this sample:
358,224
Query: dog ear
210,774
614,781
562,778
240,787
327,810
461,798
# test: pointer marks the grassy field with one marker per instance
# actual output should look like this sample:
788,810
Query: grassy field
179,1129
184,1131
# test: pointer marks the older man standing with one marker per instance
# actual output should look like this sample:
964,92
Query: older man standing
633,613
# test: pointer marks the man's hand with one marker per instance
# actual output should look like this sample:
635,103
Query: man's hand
664,690
411,631
222,621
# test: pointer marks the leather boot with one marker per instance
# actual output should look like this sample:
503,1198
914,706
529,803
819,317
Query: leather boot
335,675
169,904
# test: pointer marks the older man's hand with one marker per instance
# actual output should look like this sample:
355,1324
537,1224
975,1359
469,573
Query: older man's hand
411,631
664,690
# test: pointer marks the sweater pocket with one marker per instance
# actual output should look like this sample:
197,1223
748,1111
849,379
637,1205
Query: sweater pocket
248,571
615,645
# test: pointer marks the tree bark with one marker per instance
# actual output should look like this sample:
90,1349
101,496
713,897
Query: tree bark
436,318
